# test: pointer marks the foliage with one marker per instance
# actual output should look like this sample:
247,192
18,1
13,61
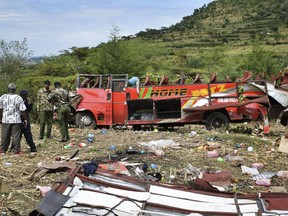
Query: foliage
13,56
118,56
260,60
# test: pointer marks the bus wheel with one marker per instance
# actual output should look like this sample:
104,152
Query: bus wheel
85,120
216,121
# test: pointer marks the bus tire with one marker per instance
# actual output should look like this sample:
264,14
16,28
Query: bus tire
216,121
85,120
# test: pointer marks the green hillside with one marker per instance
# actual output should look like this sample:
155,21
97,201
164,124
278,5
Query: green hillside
219,37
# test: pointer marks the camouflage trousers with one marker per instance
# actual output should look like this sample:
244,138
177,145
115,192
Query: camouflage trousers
46,119
63,116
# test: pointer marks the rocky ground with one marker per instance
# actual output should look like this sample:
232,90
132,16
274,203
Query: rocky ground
178,152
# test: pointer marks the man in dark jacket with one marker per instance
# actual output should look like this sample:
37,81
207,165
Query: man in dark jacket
27,130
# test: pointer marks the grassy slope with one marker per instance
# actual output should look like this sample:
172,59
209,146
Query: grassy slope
224,23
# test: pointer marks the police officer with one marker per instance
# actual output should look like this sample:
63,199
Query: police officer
45,109
59,98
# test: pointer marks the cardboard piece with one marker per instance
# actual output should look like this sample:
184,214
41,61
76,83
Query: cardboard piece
283,147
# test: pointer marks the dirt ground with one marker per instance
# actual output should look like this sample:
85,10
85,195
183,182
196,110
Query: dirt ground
21,194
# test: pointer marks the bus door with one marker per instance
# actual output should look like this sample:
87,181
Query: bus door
119,104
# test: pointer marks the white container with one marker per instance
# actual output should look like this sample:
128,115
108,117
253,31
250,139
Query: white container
282,174
250,149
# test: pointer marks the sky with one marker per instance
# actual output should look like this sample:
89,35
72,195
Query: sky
51,26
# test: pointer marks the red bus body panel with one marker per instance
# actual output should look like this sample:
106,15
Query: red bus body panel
172,104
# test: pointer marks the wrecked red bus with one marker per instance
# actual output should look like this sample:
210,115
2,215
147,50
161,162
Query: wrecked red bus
107,101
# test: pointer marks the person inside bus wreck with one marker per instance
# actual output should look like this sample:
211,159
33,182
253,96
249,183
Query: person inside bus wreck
134,82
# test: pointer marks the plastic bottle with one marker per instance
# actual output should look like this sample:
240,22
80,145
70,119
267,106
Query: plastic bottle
90,135
112,147
212,154
103,132
131,151
89,139
82,145
142,152
220,159
258,165
282,174
213,146
240,145
159,153
153,166
263,182
250,149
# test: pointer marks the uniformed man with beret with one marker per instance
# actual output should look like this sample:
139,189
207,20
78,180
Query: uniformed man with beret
60,99
45,110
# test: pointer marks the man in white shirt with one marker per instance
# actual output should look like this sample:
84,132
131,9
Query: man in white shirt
11,108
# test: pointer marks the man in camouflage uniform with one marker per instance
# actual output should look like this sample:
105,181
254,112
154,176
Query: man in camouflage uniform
45,109
60,99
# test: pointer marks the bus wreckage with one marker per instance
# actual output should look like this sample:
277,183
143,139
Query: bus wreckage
103,192
107,101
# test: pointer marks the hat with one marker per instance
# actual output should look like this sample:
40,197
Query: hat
11,86
47,82
23,92
57,84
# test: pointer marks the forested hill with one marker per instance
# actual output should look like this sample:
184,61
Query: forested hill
229,21
227,29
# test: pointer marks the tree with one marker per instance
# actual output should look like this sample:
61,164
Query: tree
118,56
78,59
57,66
13,56
259,59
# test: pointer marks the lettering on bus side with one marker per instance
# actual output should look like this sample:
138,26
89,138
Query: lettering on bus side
168,92
204,91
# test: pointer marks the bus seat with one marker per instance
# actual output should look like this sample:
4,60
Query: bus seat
285,78
278,77
85,82
147,81
213,78
257,77
228,79
247,75
181,80
164,80
197,79
108,81
97,82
